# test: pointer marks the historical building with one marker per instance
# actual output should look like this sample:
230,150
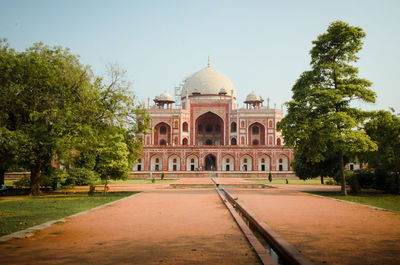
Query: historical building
207,132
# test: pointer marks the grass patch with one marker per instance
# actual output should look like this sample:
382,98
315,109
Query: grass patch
141,181
16,215
291,181
381,200
9,182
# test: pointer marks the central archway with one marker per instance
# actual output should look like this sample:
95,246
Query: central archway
209,129
210,162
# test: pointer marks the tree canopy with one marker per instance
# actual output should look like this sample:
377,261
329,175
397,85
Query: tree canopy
53,107
384,129
320,113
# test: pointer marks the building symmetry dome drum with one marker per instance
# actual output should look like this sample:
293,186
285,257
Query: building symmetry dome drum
208,81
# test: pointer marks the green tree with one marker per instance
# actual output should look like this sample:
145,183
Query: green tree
306,169
9,137
40,91
110,141
384,129
320,111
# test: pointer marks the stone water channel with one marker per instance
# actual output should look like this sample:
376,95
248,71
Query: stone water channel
269,246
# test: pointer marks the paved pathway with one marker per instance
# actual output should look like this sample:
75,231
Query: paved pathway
191,226
327,231
157,227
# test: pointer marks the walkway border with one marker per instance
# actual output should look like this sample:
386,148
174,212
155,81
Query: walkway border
31,230
354,203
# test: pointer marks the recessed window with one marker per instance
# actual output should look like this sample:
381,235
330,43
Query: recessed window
233,127
163,130
255,142
209,128
256,130
185,127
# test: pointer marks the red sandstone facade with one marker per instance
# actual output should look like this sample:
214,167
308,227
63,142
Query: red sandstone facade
209,133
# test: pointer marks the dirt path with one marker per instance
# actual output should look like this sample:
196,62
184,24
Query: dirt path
328,231
157,227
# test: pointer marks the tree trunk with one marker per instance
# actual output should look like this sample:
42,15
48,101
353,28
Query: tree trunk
2,172
322,180
341,172
105,187
35,179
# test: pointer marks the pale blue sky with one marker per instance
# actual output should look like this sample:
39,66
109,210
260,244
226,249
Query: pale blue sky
260,45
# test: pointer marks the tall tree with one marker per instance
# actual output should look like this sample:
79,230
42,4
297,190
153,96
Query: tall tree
40,94
110,142
53,107
320,111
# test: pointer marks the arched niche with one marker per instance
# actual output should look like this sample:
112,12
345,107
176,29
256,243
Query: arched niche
210,129
162,134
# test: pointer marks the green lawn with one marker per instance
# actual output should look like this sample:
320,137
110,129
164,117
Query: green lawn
128,181
386,201
18,213
9,182
141,181
291,181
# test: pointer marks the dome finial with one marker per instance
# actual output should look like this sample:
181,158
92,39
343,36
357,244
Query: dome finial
208,61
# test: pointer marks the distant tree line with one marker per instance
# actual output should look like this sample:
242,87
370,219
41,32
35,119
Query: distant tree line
327,131
53,110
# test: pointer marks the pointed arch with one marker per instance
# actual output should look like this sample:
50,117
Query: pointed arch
256,132
228,163
210,129
282,163
264,163
156,163
246,163
162,134
192,162
174,162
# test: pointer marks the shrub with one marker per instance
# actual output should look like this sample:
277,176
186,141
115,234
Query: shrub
331,182
22,182
162,175
81,176
270,177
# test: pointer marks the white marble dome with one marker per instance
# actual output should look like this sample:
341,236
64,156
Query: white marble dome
208,81
253,96
164,97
